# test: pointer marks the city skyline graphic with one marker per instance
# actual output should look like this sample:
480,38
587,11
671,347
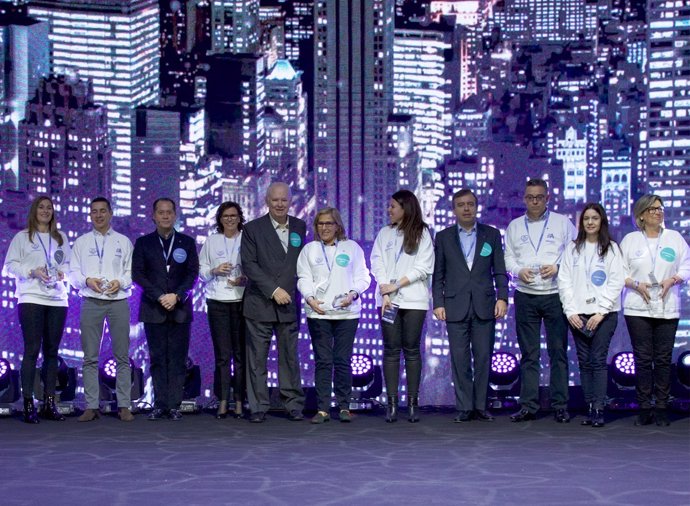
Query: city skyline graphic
347,101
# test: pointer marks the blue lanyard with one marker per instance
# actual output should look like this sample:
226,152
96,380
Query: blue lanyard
48,253
654,255
231,255
400,252
100,252
588,264
166,255
541,237
473,245
325,257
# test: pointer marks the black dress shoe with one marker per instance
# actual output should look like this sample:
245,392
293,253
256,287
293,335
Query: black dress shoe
157,414
562,416
598,418
175,415
483,416
295,415
522,416
661,416
646,417
258,417
50,410
463,416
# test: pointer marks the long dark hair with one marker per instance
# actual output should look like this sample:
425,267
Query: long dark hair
32,221
604,240
412,225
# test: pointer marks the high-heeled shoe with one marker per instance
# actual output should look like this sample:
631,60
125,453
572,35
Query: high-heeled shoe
590,414
392,409
50,410
413,409
30,415
222,410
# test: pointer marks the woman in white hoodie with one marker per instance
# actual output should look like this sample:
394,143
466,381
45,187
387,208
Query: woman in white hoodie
332,274
402,261
38,259
657,262
590,281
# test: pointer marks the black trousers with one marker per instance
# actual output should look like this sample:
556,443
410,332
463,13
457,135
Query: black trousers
652,341
404,334
42,328
227,327
530,311
168,347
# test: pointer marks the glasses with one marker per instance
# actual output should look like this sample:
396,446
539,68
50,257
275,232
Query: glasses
535,198
229,217
326,224
655,210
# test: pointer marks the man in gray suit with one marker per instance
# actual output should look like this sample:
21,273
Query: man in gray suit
470,290
270,247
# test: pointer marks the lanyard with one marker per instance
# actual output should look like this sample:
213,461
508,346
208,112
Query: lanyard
325,256
653,254
588,265
473,244
400,252
231,255
49,252
166,255
100,252
541,237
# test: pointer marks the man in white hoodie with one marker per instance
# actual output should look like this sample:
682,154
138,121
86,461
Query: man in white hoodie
534,247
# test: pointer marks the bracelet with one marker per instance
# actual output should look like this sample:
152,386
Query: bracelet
636,284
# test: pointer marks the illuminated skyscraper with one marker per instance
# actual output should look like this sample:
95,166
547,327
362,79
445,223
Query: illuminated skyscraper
536,21
235,26
426,85
353,58
64,149
114,44
24,58
666,139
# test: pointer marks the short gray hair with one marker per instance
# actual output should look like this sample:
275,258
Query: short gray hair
641,206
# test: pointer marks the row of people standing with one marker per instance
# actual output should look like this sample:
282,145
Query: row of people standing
470,291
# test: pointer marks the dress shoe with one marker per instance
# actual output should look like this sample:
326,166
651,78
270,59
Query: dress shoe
463,416
89,415
157,414
222,410
413,409
125,415
661,416
562,416
645,417
175,415
392,409
483,416
588,418
258,417
30,415
320,417
50,410
522,416
345,416
598,418
295,415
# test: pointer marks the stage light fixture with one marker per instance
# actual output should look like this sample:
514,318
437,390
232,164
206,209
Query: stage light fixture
680,385
504,381
192,388
107,379
367,382
622,369
9,387
683,369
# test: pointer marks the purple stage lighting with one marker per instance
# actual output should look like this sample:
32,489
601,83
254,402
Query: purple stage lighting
625,363
4,368
110,368
505,369
361,364
683,369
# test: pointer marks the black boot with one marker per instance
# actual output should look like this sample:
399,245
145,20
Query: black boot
413,409
29,411
661,416
598,418
645,417
50,411
590,414
392,409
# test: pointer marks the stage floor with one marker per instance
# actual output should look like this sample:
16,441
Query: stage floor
200,460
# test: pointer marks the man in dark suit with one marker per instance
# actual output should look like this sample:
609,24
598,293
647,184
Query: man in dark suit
470,290
165,265
270,247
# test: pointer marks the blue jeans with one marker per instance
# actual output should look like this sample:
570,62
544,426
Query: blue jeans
591,355
332,341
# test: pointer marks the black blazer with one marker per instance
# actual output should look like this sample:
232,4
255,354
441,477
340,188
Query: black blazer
150,273
267,267
454,283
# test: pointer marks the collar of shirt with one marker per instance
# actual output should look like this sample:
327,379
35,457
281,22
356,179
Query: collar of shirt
473,230
540,218
109,232
280,226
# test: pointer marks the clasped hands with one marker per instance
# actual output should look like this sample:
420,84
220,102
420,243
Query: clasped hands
96,285
315,303
41,273
168,301
547,271
500,310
